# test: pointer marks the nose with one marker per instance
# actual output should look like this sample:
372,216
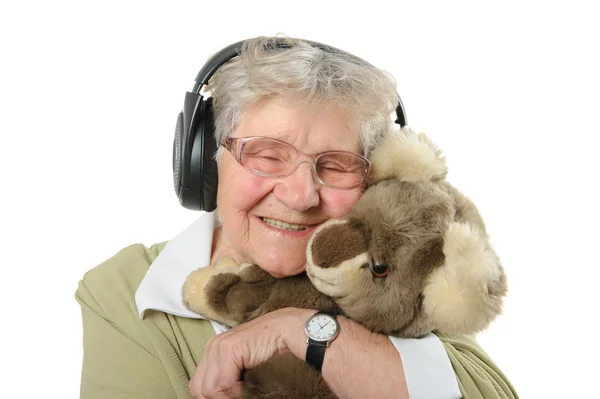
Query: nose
298,191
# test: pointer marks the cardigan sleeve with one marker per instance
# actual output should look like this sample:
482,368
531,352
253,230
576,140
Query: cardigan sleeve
478,376
125,357
115,364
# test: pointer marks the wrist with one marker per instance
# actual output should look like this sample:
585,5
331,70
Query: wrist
294,337
358,362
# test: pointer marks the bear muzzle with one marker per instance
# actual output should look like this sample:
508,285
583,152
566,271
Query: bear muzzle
334,242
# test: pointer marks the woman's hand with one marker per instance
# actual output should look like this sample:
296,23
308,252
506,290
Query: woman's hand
358,363
228,354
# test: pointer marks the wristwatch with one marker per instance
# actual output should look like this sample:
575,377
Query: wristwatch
320,328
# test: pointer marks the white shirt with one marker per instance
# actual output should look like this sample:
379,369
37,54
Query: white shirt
427,368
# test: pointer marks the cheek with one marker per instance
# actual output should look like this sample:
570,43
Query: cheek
338,203
239,191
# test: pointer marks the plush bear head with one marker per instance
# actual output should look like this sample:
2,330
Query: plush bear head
413,256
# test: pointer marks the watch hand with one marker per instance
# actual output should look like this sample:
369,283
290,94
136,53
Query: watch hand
323,325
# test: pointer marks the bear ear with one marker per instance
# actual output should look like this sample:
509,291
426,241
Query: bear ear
465,294
407,156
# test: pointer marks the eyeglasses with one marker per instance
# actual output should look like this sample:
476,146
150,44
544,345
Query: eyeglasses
269,157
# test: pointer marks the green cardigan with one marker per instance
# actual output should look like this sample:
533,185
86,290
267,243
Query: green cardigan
125,357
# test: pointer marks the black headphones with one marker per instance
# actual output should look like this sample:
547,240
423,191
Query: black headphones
194,166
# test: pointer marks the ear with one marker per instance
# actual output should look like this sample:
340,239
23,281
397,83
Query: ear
407,156
465,294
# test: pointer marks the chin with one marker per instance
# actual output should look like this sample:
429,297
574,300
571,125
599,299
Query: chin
288,260
283,270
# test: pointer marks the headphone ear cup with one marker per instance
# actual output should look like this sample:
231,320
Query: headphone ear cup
198,167
187,152
209,173
177,166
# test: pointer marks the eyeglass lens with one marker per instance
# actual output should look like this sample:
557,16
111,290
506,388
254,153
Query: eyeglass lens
274,158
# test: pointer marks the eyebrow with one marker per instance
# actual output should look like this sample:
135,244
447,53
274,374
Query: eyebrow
285,135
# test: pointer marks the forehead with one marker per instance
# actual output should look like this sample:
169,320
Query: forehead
311,128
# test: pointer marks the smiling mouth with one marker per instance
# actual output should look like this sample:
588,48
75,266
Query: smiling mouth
283,225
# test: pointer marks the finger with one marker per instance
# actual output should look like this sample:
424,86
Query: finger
223,373
231,365
197,381
193,392
195,384
210,375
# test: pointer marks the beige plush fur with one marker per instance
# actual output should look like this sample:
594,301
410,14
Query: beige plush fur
197,298
413,256
466,293
408,156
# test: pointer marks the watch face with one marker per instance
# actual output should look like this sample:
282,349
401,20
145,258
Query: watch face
321,327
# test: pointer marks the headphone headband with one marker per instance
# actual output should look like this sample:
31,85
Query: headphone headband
235,49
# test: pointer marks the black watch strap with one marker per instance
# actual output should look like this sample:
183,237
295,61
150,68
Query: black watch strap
315,353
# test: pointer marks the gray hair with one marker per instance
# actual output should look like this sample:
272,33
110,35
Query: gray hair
307,73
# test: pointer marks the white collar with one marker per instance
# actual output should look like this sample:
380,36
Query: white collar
161,287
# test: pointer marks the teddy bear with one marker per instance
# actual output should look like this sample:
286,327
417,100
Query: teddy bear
413,256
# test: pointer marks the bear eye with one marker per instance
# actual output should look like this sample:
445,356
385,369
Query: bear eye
380,269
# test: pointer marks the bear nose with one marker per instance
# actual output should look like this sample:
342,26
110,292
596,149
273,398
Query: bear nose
337,243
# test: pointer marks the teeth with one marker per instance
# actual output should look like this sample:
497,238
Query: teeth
283,225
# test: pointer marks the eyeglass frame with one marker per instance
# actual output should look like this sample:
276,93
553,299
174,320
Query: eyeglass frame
235,146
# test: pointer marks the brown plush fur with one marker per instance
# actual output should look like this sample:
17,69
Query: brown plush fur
274,380
440,271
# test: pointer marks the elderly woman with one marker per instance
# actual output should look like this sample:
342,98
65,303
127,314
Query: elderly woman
315,113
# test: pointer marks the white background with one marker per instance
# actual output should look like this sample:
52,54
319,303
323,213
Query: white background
90,91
